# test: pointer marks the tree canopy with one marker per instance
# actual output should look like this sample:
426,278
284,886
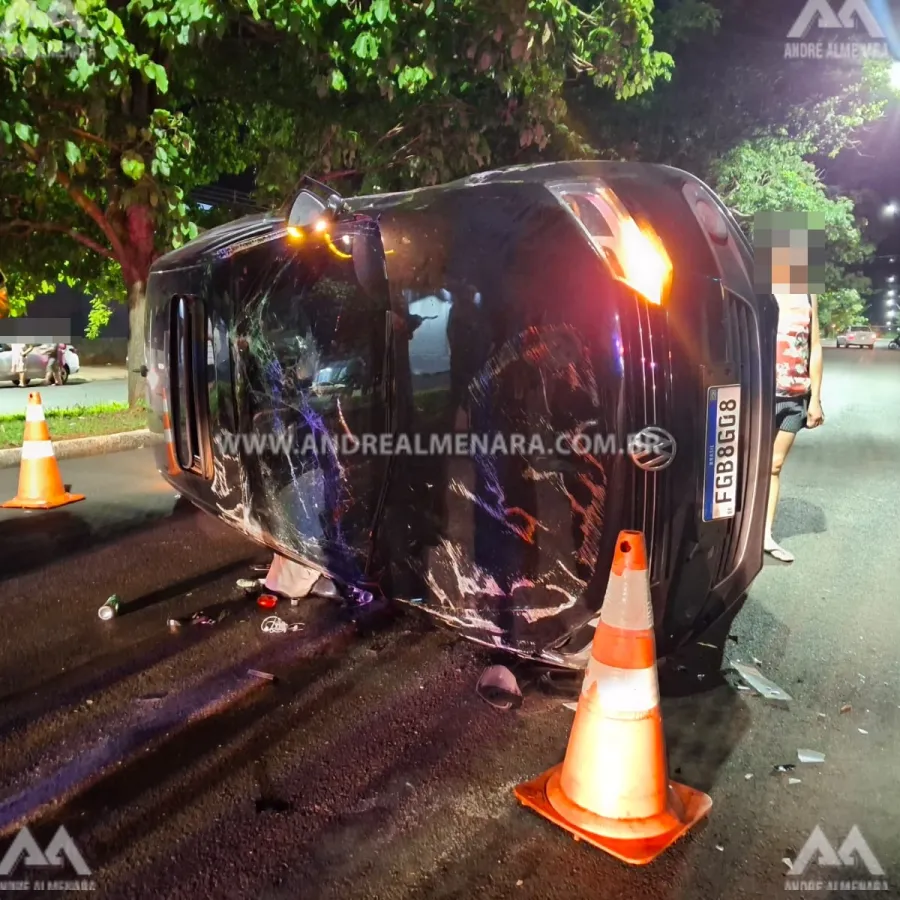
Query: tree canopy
112,112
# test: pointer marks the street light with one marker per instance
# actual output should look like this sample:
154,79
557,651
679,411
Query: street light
891,209
895,75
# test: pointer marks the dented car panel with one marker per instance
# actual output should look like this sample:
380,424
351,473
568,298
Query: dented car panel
557,310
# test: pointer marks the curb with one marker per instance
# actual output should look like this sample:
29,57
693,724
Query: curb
90,446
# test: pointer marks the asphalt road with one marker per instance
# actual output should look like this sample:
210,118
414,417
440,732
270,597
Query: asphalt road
78,392
370,768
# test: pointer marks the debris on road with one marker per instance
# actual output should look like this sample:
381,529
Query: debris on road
784,767
823,716
571,704
862,731
846,708
498,686
257,673
275,625
720,848
200,618
248,584
159,695
748,776
793,781
267,601
810,756
110,609
760,683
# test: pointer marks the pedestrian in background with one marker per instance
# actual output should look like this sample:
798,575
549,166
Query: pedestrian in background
792,264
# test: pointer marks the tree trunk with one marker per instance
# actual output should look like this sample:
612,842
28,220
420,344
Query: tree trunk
137,384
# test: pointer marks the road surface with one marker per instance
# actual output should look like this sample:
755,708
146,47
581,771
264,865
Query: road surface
370,768
82,390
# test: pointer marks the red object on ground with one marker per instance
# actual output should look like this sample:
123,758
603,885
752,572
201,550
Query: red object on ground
267,601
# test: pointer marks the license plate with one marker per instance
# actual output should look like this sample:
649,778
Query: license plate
720,484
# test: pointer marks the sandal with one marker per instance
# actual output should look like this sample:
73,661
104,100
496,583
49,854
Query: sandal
779,553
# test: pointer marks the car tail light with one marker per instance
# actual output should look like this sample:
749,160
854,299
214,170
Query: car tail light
634,251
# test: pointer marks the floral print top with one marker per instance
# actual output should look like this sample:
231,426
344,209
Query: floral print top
792,377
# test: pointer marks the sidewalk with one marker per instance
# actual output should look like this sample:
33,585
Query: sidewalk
102,373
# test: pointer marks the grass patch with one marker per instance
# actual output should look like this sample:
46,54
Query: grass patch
76,422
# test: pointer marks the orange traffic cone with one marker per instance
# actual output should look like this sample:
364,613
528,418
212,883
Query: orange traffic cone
613,788
174,468
40,483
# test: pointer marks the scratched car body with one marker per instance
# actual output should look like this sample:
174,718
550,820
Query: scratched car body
609,301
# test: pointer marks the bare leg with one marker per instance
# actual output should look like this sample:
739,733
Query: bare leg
784,440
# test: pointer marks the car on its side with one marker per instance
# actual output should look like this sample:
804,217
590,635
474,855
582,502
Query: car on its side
603,313
857,336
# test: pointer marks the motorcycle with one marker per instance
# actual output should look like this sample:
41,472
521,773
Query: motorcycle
895,343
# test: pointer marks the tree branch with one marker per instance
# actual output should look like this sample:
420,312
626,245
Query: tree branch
90,208
28,227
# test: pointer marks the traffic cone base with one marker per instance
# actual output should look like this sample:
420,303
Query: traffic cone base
633,841
63,499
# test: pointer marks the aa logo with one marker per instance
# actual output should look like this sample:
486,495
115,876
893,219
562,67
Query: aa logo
819,851
26,846
874,16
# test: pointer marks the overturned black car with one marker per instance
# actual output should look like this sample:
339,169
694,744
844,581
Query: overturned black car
457,396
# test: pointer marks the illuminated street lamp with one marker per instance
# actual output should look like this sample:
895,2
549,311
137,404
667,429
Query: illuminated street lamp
891,209
895,75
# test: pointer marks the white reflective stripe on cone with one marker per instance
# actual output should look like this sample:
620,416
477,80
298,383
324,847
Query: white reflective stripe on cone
627,602
622,690
37,449
34,413
169,438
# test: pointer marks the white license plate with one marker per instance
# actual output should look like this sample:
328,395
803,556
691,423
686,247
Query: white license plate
720,482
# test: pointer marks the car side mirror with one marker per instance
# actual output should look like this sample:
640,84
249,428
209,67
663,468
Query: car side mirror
307,207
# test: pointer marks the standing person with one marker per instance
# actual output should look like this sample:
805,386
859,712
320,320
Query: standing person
798,371
17,362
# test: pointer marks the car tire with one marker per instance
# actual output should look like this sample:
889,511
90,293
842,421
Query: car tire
65,374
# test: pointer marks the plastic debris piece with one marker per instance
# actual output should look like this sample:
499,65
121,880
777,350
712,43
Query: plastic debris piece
789,863
720,848
200,618
822,716
249,583
760,683
498,686
810,756
519,883
157,696
748,776
745,688
711,646
571,705
793,781
267,601
846,708
756,662
784,767
862,731
274,625
257,673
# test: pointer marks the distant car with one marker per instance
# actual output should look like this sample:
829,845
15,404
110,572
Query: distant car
38,364
858,336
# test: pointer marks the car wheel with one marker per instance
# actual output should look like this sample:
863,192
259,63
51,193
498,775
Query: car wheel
65,374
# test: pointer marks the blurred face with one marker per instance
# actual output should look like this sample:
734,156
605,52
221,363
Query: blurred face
790,252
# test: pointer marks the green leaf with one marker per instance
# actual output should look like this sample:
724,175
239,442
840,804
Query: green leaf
366,46
338,81
24,132
73,154
381,9
133,165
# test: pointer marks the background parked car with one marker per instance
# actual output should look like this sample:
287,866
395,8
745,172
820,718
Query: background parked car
858,336
38,364
35,365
